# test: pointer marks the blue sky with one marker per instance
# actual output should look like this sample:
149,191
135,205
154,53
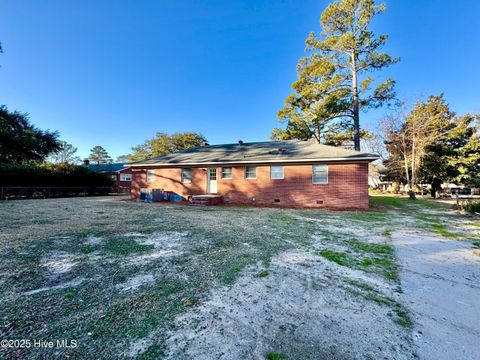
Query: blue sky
113,73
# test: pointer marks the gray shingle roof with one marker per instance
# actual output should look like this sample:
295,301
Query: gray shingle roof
110,167
257,152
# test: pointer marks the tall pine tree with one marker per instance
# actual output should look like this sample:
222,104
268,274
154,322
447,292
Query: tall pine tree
332,88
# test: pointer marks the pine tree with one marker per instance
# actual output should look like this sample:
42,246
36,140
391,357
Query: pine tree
330,93
99,155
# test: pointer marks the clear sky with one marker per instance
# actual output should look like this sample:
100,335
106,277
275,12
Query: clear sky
114,72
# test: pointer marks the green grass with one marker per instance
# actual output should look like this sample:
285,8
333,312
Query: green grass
271,355
371,248
442,230
263,274
364,261
126,246
397,202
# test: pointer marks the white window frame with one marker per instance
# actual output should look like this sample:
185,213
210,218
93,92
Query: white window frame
126,175
184,179
231,173
150,175
323,166
245,173
278,167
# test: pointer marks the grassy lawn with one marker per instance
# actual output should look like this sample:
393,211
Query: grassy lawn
117,276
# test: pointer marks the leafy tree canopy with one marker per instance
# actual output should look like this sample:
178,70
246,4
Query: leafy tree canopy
163,144
122,159
21,142
433,145
329,94
99,155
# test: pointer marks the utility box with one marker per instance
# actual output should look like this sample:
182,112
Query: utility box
160,195
146,195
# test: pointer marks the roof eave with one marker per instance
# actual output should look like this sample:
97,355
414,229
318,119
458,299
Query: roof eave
239,162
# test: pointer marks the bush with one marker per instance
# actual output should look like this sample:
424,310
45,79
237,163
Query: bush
472,206
51,175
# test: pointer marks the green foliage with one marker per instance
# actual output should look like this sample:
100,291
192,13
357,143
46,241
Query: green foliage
328,95
99,155
163,144
432,145
21,142
122,159
271,355
62,175
472,206
126,246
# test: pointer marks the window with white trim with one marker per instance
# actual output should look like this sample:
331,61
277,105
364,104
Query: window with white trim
250,172
320,174
150,176
276,172
125,177
186,175
226,172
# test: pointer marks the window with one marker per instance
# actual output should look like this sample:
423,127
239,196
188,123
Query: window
250,172
320,174
226,172
150,176
212,174
276,172
125,177
186,175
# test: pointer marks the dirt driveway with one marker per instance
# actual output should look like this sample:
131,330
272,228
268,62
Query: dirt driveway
441,285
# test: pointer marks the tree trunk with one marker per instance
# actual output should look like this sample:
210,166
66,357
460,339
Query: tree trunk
356,105
413,164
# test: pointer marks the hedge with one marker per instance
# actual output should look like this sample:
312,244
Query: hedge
50,175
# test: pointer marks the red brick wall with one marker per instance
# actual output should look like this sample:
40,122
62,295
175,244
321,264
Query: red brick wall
123,186
347,186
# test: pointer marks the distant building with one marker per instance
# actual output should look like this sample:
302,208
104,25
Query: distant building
120,173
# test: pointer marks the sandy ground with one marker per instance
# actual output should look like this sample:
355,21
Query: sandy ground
237,283
301,308
441,285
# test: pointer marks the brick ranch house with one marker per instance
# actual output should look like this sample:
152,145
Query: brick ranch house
275,173
120,173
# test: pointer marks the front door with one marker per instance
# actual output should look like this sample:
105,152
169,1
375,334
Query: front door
212,181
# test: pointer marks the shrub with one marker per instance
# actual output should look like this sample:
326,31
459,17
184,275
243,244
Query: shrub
472,206
51,175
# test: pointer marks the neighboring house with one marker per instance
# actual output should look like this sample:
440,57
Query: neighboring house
120,173
282,173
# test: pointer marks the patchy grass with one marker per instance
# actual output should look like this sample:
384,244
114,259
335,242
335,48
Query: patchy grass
397,202
125,246
441,229
368,257
219,245
368,292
